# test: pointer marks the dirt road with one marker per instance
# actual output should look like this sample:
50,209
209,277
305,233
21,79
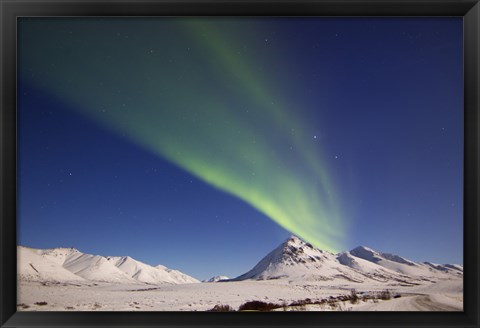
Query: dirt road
409,303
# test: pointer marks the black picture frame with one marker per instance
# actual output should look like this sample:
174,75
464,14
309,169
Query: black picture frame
10,10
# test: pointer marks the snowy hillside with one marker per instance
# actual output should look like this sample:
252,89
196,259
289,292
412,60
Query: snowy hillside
95,268
148,274
216,279
33,265
293,259
366,267
178,276
296,259
402,265
294,276
69,264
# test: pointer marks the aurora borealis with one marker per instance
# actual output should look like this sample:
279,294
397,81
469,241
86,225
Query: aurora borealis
341,131
207,110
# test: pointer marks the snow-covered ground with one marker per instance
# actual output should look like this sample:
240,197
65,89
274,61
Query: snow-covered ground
448,296
293,277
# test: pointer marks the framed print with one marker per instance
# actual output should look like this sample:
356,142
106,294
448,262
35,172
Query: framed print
284,163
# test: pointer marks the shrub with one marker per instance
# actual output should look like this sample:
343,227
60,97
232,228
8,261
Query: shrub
343,298
353,296
302,307
40,303
258,306
301,302
385,295
221,308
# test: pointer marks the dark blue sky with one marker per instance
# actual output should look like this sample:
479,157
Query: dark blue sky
384,98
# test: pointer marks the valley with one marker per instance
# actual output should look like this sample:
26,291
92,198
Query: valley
293,277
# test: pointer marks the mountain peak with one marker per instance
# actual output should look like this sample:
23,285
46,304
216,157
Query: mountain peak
60,250
296,241
362,248
295,250
293,257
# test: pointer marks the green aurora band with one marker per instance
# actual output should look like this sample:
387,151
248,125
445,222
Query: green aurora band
184,89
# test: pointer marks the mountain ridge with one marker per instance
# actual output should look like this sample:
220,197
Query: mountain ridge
295,258
71,265
292,259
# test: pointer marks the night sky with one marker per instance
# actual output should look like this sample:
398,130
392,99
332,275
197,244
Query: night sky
203,143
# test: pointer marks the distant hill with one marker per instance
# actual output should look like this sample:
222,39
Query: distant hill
71,265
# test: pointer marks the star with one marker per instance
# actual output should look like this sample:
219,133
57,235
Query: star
314,137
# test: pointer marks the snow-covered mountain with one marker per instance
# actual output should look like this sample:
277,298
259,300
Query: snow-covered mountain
293,259
454,267
178,276
296,259
69,265
216,279
404,266
368,268
35,265
148,274
95,268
